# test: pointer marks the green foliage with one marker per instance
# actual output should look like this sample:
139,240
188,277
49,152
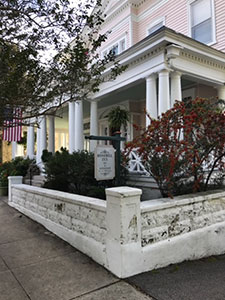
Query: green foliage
118,117
73,173
184,150
28,79
17,167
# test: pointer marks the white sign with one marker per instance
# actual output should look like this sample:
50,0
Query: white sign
104,162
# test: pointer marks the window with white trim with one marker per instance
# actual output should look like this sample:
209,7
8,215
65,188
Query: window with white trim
202,21
116,48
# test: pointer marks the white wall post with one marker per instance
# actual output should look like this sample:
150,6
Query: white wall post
79,137
123,221
93,124
176,92
13,180
164,92
71,126
51,134
30,142
151,98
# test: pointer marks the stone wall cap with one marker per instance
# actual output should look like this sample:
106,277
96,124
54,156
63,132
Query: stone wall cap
123,191
162,203
15,177
76,199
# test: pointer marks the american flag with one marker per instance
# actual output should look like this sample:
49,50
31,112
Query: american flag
12,125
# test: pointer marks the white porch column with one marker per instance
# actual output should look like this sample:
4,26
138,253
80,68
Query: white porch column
151,98
79,136
14,149
164,92
38,155
51,134
93,123
64,140
43,142
71,126
221,92
41,139
176,92
30,142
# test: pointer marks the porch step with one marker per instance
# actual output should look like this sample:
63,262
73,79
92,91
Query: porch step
148,185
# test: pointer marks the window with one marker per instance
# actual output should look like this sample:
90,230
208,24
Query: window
202,21
122,45
117,48
155,27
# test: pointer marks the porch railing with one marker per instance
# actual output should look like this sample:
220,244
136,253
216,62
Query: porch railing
135,164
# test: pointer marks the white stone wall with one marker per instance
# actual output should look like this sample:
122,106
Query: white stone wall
72,217
125,236
164,219
64,209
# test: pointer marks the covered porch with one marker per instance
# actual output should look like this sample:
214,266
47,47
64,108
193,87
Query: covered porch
164,67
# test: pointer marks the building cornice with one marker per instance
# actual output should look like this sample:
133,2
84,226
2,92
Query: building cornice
165,36
118,9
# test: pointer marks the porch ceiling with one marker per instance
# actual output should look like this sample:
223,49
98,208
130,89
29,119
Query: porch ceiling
135,92
132,92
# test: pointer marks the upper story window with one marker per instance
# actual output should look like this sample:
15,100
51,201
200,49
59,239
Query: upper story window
202,21
155,25
116,48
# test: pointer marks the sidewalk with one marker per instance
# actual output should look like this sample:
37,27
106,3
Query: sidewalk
36,265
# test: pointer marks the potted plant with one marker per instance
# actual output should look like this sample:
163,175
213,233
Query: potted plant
117,117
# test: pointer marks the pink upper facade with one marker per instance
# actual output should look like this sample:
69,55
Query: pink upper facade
132,21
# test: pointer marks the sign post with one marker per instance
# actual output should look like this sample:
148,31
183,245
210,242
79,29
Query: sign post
104,163
116,139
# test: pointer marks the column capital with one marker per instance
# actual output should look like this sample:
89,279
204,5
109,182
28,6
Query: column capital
176,74
151,76
164,72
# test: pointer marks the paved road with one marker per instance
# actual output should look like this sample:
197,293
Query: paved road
36,265
194,280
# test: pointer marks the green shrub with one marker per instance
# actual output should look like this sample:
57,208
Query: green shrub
16,167
184,150
73,173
